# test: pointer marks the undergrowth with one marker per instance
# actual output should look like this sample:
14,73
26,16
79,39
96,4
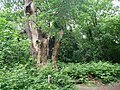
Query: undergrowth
103,72
30,78
26,77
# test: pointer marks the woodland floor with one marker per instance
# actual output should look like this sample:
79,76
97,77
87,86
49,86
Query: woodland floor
115,86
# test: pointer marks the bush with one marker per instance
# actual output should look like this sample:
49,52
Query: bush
26,78
68,47
13,48
101,71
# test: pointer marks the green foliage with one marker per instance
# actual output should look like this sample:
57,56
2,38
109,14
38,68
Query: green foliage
25,77
68,48
91,33
101,71
28,77
94,31
92,19
13,48
97,20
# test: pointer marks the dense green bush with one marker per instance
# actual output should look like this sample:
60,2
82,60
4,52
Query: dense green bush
13,48
28,77
68,47
103,45
25,77
101,71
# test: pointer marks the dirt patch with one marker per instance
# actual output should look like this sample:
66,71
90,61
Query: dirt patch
115,86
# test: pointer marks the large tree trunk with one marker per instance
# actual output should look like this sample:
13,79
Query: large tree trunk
40,46
39,41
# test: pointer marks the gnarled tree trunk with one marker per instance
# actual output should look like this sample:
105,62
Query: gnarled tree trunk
39,41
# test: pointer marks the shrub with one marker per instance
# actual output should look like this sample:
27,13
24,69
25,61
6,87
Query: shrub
100,71
26,78
13,48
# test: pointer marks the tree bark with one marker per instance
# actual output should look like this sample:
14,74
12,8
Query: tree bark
39,41
56,49
40,44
